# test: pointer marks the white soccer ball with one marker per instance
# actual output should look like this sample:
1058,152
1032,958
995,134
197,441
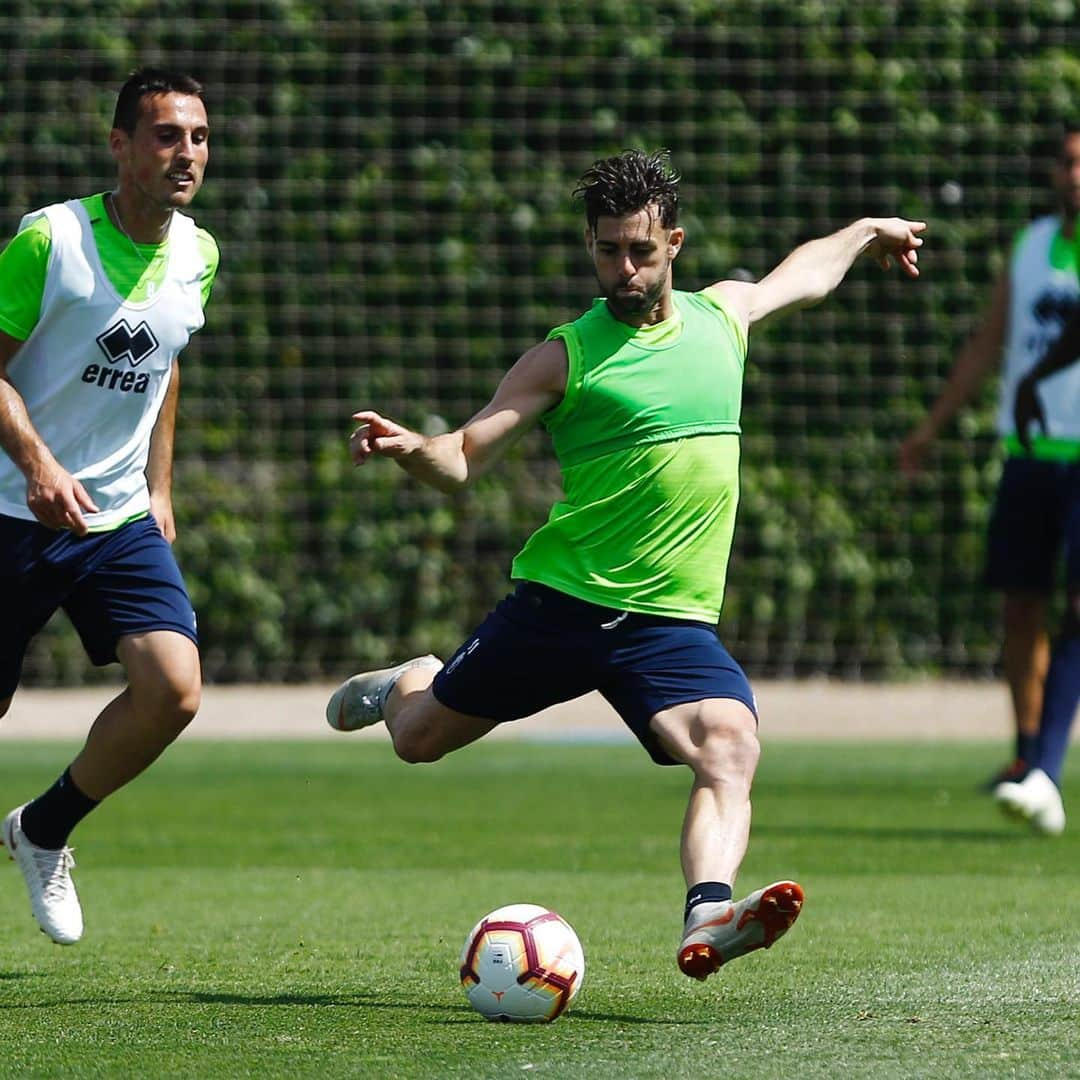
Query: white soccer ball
522,963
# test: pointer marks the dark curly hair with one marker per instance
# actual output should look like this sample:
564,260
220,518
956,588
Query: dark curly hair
630,181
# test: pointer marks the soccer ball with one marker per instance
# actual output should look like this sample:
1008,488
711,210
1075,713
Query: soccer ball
522,963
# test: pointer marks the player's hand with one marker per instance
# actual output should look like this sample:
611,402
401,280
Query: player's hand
162,512
912,452
1027,409
377,435
897,238
58,500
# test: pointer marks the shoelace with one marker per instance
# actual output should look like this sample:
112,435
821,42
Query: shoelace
54,869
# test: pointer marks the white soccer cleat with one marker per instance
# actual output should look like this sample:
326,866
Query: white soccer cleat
1036,800
358,702
718,932
48,881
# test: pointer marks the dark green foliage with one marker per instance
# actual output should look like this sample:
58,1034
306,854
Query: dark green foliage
389,183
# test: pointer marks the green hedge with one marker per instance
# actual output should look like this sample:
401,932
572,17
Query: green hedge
389,184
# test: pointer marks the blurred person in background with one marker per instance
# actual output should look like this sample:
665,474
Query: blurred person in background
98,296
620,591
1036,796
1036,514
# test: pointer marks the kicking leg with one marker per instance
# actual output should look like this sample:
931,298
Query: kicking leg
421,727
717,738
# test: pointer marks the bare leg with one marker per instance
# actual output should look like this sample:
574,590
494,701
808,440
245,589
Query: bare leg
1026,656
421,727
717,738
162,696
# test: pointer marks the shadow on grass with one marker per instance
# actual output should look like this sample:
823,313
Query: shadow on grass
444,1014
879,832
363,1000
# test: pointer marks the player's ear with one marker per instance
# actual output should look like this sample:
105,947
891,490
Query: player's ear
675,241
118,142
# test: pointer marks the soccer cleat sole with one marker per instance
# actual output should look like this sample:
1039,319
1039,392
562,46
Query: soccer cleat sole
776,911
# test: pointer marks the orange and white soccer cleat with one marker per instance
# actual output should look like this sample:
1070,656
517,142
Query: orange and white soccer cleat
717,933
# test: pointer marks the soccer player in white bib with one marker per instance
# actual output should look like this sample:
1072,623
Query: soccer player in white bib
98,296
1034,527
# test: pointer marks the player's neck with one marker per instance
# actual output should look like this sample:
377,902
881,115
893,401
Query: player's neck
662,310
141,222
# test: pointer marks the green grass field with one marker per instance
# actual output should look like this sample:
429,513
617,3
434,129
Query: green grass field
296,909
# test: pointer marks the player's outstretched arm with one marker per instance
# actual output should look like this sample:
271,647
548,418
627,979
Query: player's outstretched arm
447,462
815,268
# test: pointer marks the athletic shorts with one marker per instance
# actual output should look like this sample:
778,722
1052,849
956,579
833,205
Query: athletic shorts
1036,518
540,647
110,584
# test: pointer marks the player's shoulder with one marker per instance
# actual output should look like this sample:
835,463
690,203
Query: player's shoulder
1040,230
32,241
208,247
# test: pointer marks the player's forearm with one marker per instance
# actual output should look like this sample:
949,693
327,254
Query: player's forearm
438,461
159,465
977,358
816,268
18,436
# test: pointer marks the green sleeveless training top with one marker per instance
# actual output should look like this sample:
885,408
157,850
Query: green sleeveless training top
647,436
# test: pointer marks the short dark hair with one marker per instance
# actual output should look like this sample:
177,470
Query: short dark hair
628,182
145,82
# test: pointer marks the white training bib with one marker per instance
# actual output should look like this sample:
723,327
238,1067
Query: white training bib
1041,299
95,370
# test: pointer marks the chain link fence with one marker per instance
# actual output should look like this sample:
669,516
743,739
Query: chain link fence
390,187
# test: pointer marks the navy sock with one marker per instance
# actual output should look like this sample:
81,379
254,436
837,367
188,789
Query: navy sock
49,819
1059,707
1027,747
706,892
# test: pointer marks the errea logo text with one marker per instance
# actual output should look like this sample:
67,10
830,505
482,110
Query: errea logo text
119,343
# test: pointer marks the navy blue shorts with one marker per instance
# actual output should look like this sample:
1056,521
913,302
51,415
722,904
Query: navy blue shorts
540,647
111,584
1036,518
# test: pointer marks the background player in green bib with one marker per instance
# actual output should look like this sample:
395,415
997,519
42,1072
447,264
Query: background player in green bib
98,296
621,589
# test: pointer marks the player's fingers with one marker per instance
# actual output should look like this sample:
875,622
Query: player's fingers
73,519
368,416
359,445
388,445
82,498
907,262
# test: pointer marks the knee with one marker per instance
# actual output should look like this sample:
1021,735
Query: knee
173,699
417,746
418,734
726,745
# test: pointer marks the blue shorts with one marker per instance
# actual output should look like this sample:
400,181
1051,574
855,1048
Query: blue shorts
111,584
540,647
1036,518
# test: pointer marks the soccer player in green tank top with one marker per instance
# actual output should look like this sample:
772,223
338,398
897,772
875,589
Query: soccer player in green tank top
621,589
